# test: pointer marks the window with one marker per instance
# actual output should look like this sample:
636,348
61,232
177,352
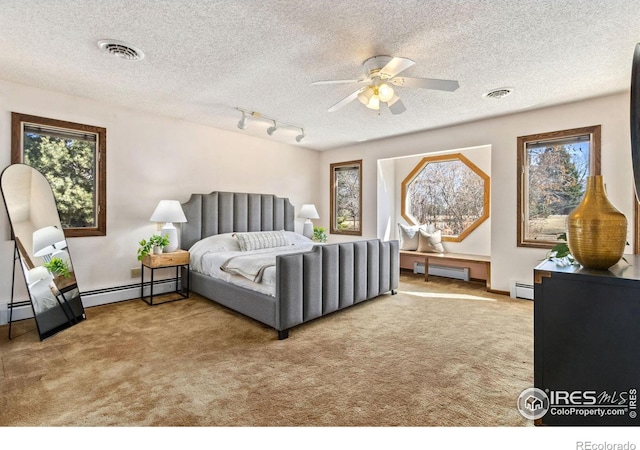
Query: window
448,191
552,176
72,157
346,198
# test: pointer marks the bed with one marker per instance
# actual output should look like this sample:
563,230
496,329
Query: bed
310,282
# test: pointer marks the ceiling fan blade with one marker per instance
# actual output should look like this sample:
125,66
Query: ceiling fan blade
426,83
395,66
346,100
362,80
396,106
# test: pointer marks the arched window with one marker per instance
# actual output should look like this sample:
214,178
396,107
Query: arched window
448,191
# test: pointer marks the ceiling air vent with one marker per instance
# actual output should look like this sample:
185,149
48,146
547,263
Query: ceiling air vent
121,49
498,93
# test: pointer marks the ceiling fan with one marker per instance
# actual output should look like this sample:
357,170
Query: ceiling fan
380,73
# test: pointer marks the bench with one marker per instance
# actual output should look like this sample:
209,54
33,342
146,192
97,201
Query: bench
479,265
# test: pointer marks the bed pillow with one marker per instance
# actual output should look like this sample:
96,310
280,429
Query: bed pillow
257,240
430,242
297,238
225,242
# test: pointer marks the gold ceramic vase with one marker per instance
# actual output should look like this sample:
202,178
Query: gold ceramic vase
596,230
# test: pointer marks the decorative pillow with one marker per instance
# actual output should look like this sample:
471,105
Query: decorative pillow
257,240
408,236
430,242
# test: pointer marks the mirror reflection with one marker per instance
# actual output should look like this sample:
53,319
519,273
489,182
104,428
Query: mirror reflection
42,249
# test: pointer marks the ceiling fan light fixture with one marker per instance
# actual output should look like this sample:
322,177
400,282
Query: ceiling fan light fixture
374,102
365,96
385,92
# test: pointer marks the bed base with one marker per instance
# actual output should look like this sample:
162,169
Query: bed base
309,284
312,284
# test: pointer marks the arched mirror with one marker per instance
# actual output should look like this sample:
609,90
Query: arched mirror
41,250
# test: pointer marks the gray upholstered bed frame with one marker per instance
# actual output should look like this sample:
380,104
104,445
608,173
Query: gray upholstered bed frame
309,284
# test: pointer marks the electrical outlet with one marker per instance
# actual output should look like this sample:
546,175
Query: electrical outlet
136,272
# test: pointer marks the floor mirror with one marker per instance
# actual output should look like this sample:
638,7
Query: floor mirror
41,251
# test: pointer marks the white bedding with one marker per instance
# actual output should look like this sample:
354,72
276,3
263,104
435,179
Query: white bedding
210,253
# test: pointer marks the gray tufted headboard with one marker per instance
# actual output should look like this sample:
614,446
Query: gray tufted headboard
226,212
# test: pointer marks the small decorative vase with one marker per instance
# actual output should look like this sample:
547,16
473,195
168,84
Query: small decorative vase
596,230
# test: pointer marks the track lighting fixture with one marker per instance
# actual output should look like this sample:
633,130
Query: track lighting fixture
242,124
277,125
272,129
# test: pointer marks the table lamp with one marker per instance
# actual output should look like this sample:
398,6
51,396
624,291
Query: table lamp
308,212
169,211
47,240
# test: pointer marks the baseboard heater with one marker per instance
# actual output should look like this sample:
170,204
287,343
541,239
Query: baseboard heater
459,273
522,290
93,298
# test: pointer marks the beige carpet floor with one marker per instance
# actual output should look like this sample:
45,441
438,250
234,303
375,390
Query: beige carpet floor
442,353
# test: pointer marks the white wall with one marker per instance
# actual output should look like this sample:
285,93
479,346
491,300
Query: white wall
509,262
150,158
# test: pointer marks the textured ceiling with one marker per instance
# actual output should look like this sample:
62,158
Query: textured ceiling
205,58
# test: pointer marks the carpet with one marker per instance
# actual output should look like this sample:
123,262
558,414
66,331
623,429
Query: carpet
442,353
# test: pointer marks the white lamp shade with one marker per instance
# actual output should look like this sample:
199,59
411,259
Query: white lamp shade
308,212
168,211
385,92
46,240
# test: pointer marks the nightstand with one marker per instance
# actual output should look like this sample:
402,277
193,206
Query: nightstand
178,259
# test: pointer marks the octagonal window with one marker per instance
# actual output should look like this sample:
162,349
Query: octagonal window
448,191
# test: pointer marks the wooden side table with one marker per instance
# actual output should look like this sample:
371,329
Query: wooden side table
177,259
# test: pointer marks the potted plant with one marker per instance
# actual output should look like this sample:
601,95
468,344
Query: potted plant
58,267
155,244
319,234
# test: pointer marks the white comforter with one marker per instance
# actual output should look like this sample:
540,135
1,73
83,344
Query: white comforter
208,255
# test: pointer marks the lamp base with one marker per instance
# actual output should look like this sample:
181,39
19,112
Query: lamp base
307,230
169,229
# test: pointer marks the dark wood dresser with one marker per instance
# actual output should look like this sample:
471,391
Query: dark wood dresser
587,343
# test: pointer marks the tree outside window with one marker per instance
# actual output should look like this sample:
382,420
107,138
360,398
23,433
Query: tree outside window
72,157
449,192
552,177
346,198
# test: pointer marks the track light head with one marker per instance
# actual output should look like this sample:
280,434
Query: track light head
254,115
242,123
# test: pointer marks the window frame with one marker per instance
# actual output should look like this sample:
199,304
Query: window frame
334,167
594,133
440,159
18,120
